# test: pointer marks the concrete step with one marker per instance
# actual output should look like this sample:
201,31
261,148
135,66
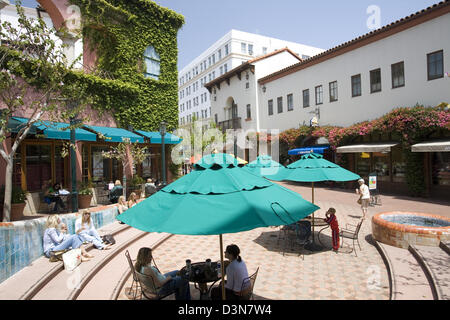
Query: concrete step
409,279
438,262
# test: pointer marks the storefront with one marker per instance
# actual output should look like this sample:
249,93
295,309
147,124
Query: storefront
437,167
385,159
43,157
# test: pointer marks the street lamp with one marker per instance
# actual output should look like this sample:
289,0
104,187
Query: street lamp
73,165
162,131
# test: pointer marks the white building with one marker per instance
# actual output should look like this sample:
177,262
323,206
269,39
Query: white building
233,49
398,65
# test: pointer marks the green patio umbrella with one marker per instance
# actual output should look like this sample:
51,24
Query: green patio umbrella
266,167
312,168
217,197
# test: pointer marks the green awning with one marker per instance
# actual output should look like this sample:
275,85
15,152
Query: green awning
51,130
116,134
155,137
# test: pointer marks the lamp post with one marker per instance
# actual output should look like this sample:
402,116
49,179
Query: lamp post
73,164
162,131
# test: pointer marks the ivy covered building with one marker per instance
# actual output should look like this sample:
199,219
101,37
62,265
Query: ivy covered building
128,69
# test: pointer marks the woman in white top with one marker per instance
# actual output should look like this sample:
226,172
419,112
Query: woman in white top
132,200
236,272
87,232
122,206
165,284
364,195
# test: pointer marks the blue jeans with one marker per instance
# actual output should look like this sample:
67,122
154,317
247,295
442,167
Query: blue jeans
73,241
177,284
93,237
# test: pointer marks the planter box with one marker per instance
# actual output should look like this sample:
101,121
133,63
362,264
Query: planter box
84,201
17,211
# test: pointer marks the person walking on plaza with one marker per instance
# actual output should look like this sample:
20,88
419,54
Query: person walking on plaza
236,272
84,227
56,238
330,218
167,283
364,196
149,187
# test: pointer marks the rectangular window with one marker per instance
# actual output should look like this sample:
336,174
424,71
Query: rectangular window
225,68
226,49
290,102
398,75
280,104
306,98
213,59
435,62
221,70
264,50
333,91
270,107
356,85
209,62
247,85
250,49
319,95
39,166
249,112
215,119
375,80
243,47
220,54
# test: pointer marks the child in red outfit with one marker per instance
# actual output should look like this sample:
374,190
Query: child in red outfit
332,221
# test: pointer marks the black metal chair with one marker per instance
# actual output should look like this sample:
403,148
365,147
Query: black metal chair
133,272
351,234
247,287
148,287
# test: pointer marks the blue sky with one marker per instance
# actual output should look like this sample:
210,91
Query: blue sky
320,23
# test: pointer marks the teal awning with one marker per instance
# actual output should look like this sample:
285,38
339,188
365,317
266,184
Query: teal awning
52,130
116,134
155,137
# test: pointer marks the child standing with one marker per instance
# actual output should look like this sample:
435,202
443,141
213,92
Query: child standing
332,221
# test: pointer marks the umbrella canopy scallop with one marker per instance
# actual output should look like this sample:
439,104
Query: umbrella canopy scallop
314,168
265,166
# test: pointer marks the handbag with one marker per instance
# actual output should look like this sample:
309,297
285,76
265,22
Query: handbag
72,259
108,239
56,256
359,201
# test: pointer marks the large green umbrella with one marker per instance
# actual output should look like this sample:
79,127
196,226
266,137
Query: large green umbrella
217,197
266,167
312,168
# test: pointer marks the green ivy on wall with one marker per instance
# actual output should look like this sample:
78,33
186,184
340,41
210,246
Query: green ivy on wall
119,32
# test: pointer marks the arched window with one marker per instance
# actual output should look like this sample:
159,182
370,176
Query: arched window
152,63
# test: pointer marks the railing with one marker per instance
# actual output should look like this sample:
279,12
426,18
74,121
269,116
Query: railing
234,123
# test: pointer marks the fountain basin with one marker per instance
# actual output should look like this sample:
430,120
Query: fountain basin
400,228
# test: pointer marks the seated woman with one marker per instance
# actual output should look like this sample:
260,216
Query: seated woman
56,239
123,206
236,273
116,192
132,200
87,232
51,195
165,284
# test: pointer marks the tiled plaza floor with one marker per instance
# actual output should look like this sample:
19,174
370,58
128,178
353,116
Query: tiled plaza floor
310,275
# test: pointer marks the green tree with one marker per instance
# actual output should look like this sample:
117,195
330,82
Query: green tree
33,67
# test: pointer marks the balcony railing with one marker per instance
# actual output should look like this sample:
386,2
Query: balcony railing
234,123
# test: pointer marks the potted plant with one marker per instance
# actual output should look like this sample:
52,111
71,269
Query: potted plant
18,197
85,194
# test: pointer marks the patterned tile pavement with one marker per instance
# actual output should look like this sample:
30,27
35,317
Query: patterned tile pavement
299,274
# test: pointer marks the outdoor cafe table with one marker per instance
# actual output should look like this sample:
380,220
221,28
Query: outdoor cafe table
201,275
318,222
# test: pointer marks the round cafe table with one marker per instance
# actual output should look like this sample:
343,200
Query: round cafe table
201,275
318,222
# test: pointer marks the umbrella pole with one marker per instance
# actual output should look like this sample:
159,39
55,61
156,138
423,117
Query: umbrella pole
312,185
222,267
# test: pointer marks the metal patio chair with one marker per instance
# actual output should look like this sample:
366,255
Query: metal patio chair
351,234
247,287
